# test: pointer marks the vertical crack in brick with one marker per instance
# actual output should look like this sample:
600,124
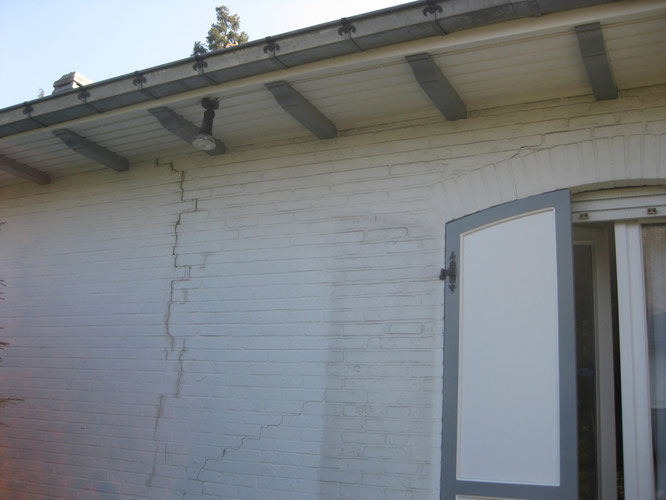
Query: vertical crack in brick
184,277
167,320
174,251
179,380
151,475
158,414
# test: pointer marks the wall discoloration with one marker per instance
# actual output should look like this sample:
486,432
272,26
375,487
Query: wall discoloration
268,323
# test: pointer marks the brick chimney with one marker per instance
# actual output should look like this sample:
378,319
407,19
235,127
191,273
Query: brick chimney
69,81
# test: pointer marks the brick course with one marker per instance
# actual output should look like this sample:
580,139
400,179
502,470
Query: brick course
268,324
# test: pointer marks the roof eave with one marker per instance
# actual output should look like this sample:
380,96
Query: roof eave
407,22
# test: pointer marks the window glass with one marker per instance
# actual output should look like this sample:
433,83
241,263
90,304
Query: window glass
654,248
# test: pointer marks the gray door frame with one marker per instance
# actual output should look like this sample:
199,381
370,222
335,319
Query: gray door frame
568,487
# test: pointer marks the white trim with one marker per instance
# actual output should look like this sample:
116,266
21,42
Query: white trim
637,434
619,204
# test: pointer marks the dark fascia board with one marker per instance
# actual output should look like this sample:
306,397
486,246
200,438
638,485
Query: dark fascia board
595,59
300,108
437,87
23,171
182,128
91,150
410,21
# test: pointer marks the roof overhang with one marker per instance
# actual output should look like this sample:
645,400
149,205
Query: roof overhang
301,60
412,21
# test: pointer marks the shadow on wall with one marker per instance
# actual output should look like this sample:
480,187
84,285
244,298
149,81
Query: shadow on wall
382,411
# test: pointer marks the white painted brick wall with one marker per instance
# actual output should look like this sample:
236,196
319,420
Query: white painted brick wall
267,325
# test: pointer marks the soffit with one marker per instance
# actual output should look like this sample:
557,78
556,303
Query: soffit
368,91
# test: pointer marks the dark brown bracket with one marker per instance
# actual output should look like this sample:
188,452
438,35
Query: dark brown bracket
450,273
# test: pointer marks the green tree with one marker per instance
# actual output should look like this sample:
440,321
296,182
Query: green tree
223,33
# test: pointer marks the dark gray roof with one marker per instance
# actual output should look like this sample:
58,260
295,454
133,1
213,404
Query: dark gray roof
411,21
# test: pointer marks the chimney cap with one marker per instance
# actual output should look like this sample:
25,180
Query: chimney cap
69,81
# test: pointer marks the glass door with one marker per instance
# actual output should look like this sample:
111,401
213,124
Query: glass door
641,268
654,259
633,219
595,367
639,341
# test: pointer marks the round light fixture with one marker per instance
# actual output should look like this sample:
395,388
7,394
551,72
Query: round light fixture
204,141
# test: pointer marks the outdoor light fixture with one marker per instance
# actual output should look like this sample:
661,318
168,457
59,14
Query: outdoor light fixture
205,141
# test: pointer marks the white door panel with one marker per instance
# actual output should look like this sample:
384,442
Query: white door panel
509,372
508,396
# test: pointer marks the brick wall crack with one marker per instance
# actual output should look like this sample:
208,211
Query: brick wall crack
256,438
171,347
529,149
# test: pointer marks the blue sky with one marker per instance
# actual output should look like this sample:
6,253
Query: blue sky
41,40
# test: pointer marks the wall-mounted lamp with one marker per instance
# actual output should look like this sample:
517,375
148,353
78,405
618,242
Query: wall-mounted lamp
205,140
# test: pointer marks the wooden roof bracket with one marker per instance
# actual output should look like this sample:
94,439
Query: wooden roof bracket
89,149
437,87
595,59
19,169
